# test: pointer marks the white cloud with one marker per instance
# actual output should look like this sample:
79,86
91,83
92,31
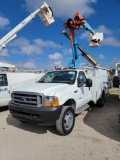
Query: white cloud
103,29
85,35
111,41
67,51
52,65
47,43
26,65
101,56
55,56
4,22
64,8
83,65
29,65
31,49
21,42
100,28
4,53
23,46
55,64
27,50
111,64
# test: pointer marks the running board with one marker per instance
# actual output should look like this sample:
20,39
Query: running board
81,109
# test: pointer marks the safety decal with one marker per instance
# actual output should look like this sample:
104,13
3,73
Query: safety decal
3,89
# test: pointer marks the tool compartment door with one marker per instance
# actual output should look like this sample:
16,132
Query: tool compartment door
84,93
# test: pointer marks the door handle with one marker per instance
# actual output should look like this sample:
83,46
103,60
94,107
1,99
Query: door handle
76,91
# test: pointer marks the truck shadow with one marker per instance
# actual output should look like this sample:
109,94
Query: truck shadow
30,126
105,120
2,109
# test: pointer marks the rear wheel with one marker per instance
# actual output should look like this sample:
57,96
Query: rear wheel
101,101
65,123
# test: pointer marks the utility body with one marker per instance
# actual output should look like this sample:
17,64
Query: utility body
58,96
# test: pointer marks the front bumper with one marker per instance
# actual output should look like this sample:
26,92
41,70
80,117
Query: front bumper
37,115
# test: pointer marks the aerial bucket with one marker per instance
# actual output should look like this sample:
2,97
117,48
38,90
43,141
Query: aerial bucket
95,39
46,14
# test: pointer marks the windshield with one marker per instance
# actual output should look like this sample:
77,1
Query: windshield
59,77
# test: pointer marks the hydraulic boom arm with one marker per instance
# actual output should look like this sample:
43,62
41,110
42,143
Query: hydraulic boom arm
80,23
45,14
94,41
83,53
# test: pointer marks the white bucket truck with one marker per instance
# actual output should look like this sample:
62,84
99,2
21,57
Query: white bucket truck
11,79
58,96
61,94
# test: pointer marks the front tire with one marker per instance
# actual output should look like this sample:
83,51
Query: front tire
101,101
22,121
65,123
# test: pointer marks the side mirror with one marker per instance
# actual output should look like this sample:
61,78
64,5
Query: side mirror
88,82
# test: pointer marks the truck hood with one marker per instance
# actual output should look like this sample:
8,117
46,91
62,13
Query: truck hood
45,88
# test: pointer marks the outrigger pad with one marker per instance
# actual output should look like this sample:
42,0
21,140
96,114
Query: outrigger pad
95,40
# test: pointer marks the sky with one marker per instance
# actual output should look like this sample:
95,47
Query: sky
43,48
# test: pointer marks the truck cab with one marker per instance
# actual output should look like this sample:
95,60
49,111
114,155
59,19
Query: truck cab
58,96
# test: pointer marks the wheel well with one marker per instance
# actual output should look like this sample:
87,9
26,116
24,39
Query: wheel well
103,92
70,102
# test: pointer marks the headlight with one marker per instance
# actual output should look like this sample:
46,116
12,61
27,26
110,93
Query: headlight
51,101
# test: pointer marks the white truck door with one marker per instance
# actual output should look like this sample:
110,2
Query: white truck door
84,93
4,90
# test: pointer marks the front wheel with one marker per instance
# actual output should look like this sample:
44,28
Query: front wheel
65,123
101,101
22,121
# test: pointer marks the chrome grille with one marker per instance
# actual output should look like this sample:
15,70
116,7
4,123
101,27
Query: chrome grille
27,99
